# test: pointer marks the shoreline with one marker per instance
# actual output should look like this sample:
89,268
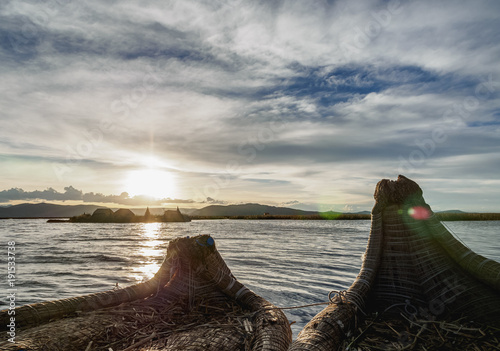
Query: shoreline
345,216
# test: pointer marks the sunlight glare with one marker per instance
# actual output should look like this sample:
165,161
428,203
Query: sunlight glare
152,230
154,183
151,250
146,271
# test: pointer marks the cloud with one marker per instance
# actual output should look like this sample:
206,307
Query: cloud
50,194
289,203
310,93
73,194
211,201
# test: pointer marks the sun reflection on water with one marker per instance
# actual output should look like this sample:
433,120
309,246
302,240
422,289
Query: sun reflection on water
150,250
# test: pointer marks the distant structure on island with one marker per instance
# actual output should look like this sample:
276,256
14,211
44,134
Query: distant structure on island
174,216
100,215
147,216
124,215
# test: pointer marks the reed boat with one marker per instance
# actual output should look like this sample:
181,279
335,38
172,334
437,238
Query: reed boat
192,303
419,288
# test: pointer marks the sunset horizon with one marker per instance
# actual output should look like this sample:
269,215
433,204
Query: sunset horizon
259,175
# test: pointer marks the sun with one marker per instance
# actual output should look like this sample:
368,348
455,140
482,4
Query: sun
155,183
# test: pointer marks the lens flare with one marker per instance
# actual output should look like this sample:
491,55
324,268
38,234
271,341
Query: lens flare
419,213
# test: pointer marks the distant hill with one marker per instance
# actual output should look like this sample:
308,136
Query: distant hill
248,210
451,211
362,213
45,210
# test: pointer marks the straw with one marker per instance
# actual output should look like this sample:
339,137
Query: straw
414,263
196,304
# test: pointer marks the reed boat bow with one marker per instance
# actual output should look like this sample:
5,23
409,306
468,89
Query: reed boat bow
413,267
192,303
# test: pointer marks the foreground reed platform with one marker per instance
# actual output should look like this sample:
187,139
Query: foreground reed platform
192,303
418,287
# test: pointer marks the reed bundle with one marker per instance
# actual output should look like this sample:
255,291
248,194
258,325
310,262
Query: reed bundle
411,261
194,303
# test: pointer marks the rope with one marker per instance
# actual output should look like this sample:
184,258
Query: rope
338,298
295,307
455,235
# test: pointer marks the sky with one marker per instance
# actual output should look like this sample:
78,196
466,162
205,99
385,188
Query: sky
304,104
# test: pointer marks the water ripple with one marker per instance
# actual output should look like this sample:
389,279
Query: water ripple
289,263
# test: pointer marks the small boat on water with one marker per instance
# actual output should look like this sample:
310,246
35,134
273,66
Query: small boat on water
419,288
192,303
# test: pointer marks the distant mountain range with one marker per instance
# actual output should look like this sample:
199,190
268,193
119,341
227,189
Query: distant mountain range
256,210
248,210
46,210
452,211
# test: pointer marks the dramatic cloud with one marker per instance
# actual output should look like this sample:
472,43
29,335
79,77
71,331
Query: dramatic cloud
71,193
253,101
215,202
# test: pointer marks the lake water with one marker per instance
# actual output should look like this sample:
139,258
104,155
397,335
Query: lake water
289,263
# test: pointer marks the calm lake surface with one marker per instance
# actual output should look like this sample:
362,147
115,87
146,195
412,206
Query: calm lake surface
288,262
